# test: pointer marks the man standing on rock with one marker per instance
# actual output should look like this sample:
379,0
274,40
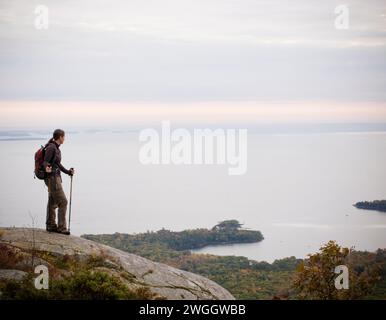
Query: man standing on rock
53,181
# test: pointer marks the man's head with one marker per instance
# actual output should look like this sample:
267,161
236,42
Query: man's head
59,136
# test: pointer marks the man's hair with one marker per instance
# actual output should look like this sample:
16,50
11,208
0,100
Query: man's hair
57,134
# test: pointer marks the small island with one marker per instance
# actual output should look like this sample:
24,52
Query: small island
378,205
225,232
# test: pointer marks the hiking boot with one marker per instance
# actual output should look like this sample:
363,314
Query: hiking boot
53,228
63,231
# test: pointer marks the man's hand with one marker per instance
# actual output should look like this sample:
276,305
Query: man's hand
72,171
48,169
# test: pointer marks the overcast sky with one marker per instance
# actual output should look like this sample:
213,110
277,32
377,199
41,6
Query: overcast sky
193,50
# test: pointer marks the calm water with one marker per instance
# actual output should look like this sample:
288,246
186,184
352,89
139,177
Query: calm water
298,190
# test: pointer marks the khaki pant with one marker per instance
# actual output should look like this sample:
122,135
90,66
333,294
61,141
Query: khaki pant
56,199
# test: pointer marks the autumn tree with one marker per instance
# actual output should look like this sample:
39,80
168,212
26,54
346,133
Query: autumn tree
315,276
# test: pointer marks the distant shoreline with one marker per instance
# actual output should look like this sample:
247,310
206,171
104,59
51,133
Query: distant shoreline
376,205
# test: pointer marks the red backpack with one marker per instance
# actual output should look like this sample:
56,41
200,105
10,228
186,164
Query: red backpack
40,173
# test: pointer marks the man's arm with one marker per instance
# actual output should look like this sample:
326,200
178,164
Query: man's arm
63,169
49,156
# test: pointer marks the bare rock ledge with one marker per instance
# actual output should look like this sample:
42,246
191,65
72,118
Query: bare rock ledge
164,280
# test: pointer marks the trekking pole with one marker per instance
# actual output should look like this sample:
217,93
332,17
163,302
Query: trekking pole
69,214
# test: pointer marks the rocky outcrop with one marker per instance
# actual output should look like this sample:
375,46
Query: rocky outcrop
165,281
9,274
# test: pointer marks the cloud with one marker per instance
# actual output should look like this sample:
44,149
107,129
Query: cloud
189,50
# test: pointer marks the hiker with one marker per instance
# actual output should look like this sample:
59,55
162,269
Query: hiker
53,180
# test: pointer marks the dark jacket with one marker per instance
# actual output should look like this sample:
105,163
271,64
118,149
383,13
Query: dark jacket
53,157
